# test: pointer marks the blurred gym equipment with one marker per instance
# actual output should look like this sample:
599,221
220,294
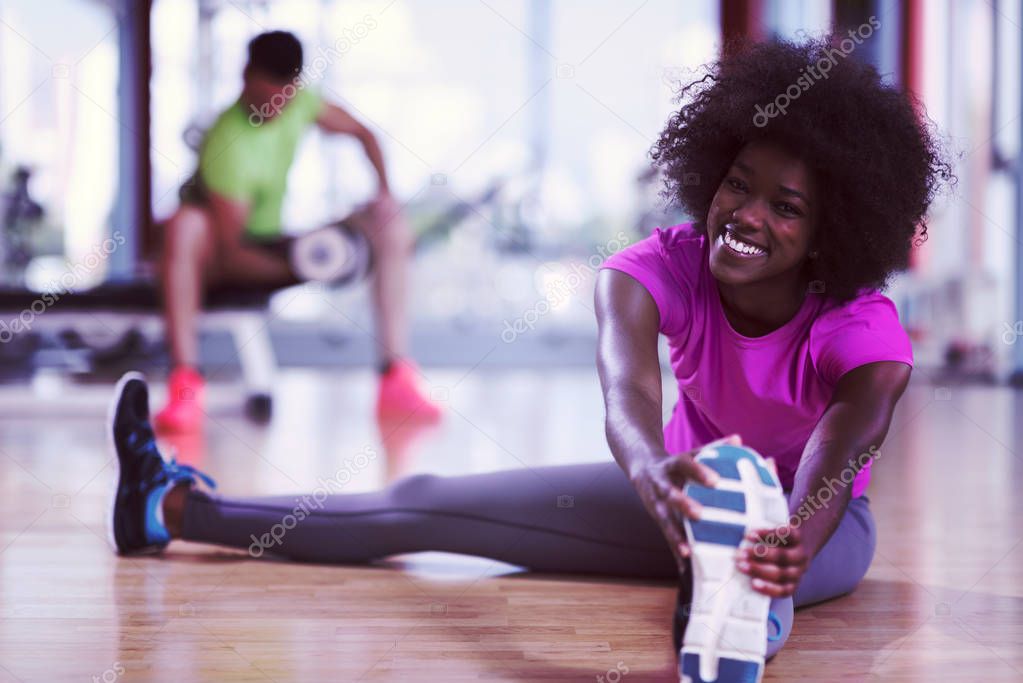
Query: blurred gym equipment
103,330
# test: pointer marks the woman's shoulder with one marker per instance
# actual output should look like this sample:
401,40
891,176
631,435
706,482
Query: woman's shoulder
681,246
677,247
667,264
685,237
865,329
869,305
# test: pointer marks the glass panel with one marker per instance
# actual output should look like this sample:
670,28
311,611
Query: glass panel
58,142
520,146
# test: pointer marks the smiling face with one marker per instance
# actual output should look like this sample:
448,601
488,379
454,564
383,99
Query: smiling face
763,217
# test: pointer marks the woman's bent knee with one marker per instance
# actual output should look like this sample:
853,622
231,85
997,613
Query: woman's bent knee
844,560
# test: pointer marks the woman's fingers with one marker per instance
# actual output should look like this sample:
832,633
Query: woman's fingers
674,534
774,590
784,536
684,504
774,559
684,468
782,547
707,477
765,554
771,573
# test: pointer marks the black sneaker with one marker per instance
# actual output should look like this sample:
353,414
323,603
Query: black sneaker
683,606
143,476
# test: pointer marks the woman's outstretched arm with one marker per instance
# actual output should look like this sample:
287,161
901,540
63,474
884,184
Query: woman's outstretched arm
854,423
630,372
630,376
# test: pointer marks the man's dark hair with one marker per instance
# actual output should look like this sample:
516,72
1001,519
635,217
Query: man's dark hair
277,54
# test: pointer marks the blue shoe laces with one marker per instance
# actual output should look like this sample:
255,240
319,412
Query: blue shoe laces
172,471
153,487
178,473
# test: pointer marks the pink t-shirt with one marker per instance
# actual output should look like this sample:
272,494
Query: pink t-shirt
771,390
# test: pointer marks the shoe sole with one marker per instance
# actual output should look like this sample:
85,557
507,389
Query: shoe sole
115,484
726,638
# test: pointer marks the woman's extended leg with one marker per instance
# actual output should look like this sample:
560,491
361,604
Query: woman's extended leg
574,518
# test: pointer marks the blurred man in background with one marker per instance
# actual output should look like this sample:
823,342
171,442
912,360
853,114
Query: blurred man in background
227,230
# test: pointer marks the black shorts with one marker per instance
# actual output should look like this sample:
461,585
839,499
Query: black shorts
194,193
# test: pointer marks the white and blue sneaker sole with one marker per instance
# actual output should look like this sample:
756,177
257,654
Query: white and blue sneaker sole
726,638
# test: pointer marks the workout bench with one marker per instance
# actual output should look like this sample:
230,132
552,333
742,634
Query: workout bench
119,310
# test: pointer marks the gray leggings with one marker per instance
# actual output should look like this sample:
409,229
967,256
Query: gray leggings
578,519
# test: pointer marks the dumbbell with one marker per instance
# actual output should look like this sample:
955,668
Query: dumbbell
334,254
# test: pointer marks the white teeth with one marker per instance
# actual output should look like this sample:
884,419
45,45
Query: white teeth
742,247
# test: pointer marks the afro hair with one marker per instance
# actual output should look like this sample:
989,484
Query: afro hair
871,151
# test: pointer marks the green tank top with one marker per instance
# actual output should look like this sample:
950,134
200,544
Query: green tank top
246,158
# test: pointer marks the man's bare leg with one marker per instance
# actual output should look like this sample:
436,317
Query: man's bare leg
401,397
188,266
185,267
391,243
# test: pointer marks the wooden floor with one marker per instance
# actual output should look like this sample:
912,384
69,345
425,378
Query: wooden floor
942,602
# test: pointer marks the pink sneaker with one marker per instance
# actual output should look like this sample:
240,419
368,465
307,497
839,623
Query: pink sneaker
183,412
402,441
401,398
